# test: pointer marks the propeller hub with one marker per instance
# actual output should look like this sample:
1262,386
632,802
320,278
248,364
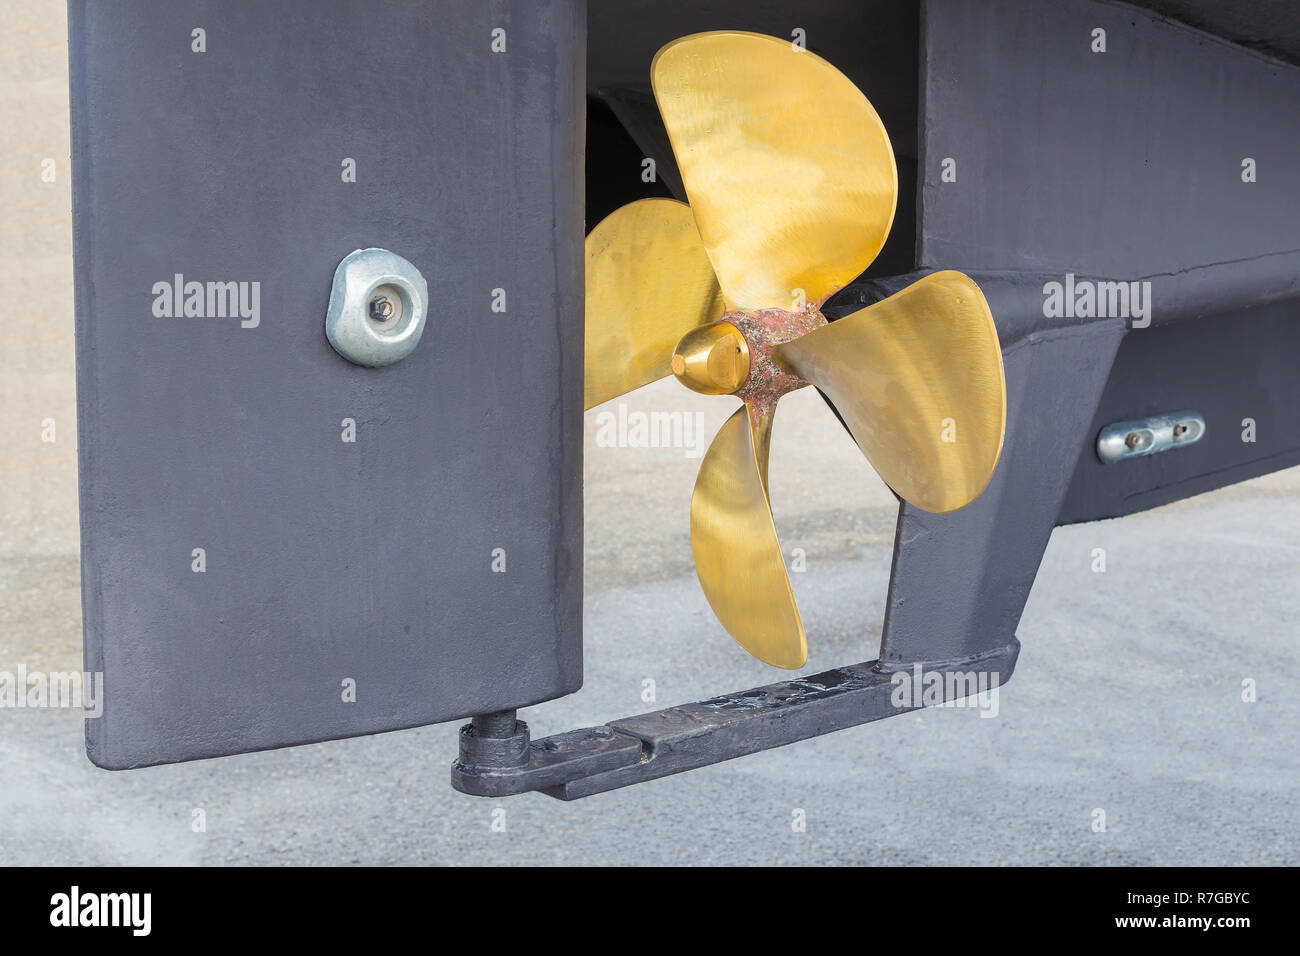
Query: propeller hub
712,359
734,354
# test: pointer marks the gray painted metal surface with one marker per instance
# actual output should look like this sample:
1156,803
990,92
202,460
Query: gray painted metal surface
325,560
1241,374
1122,164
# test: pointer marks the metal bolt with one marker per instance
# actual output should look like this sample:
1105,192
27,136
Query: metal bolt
1180,430
381,310
1132,439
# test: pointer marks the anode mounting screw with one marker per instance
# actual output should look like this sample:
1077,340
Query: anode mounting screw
381,310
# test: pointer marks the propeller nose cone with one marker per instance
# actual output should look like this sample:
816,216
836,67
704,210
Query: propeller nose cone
712,359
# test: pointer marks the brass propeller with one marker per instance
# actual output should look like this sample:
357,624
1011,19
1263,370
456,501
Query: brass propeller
792,188
737,555
918,379
787,166
649,282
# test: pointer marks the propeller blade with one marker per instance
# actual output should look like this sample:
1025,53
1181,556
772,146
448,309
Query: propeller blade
649,282
737,555
787,167
918,379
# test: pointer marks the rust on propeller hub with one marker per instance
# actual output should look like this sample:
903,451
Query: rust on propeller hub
733,356
763,329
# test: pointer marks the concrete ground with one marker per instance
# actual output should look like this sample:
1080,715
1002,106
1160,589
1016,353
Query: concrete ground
1127,699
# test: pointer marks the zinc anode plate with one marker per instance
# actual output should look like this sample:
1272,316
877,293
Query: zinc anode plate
326,563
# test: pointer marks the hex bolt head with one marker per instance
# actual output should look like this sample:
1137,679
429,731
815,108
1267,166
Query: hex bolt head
381,310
